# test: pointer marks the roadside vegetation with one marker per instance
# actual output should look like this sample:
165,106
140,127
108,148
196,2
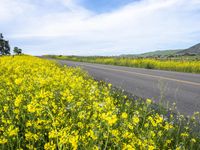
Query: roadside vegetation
180,64
47,106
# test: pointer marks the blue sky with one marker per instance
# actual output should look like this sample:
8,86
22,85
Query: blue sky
100,27
102,6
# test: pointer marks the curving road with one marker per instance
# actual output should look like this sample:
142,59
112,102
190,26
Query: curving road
165,86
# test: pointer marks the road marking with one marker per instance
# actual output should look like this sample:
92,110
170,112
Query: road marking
153,76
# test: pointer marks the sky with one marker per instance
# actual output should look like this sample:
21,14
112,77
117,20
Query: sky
99,27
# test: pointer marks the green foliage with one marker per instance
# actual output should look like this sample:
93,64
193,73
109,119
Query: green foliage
4,46
17,50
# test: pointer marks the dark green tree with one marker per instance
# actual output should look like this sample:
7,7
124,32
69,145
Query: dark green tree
4,46
17,50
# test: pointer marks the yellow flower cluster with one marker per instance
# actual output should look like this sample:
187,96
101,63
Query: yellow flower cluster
46,106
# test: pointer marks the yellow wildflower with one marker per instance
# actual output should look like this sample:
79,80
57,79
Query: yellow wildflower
3,140
18,101
184,134
136,120
50,146
148,101
18,81
193,140
124,115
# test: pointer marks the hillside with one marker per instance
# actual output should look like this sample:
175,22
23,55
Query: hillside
192,50
160,53
154,53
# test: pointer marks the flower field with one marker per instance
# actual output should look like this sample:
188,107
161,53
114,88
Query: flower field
47,106
182,65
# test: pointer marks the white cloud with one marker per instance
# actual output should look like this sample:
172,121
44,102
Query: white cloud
10,9
140,26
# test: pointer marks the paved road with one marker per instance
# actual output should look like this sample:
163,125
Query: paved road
182,88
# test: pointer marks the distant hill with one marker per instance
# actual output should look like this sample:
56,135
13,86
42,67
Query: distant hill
192,50
160,53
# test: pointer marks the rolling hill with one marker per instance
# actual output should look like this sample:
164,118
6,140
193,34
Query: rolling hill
192,50
160,53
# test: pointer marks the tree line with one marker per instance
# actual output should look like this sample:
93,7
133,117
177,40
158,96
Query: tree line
5,47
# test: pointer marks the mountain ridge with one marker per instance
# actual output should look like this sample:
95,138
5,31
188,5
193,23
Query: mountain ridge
192,50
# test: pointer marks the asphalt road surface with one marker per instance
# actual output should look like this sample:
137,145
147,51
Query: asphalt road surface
165,86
